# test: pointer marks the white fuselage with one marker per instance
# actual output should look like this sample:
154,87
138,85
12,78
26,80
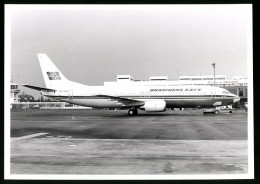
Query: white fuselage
148,98
174,96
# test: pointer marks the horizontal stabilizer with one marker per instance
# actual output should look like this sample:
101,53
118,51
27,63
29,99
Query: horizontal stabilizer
38,88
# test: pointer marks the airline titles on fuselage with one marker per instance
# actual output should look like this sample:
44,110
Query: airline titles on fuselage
186,89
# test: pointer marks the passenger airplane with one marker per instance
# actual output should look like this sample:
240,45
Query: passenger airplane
147,98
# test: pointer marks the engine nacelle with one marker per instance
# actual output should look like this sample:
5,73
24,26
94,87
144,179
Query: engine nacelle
154,106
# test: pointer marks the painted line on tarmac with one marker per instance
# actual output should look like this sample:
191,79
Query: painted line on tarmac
28,136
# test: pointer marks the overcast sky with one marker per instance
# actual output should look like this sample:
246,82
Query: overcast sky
93,44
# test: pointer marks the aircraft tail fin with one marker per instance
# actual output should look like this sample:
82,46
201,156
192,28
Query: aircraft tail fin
53,77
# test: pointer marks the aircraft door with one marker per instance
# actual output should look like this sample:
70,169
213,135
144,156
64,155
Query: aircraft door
213,93
70,94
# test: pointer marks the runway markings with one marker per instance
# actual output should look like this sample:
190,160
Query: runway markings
28,136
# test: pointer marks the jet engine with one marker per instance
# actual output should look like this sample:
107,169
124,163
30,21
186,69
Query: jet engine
154,106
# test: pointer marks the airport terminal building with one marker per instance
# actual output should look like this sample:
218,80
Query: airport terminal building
236,85
14,92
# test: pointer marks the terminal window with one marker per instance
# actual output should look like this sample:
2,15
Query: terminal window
14,86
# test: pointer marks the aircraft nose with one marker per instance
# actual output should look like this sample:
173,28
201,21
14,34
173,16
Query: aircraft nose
236,99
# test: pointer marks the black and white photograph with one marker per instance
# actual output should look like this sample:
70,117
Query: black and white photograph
157,92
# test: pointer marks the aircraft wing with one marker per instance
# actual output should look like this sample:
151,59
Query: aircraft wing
38,88
126,102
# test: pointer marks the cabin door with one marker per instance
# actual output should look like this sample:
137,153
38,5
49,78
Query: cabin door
70,94
213,94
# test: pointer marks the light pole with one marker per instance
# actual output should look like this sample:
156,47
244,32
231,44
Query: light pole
214,64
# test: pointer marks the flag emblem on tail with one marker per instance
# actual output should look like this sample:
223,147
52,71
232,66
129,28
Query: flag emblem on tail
53,75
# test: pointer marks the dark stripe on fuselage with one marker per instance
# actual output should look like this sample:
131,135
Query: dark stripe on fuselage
171,101
146,97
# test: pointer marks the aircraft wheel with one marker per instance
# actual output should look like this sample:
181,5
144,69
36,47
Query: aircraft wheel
131,112
230,112
216,112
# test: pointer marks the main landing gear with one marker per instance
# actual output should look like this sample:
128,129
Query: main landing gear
133,112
